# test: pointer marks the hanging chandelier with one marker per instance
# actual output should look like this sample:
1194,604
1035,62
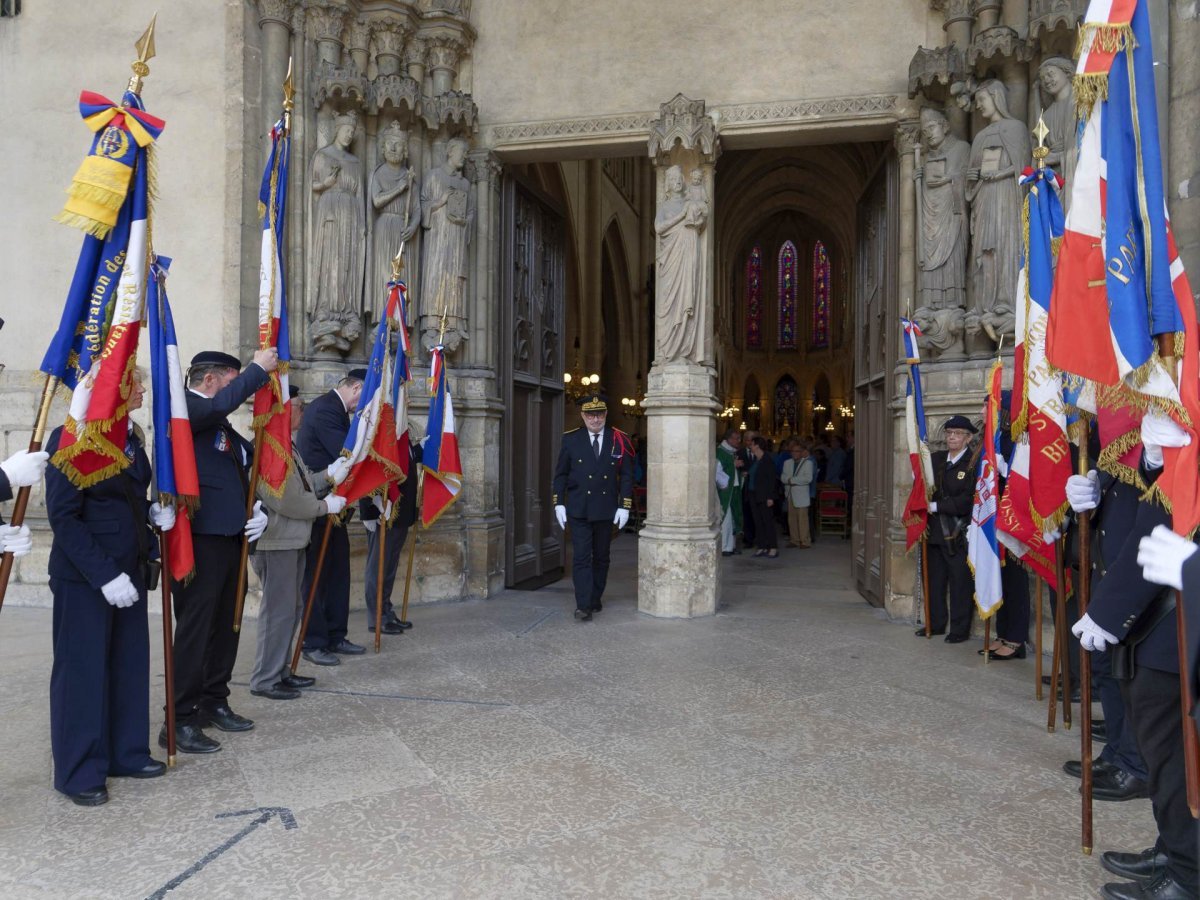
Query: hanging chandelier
577,383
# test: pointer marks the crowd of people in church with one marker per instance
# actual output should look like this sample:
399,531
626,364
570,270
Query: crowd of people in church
771,491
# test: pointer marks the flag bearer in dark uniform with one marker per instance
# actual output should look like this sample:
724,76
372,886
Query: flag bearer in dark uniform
205,643
950,514
405,498
593,491
100,681
320,439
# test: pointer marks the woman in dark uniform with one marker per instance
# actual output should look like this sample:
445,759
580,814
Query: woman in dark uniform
100,681
762,484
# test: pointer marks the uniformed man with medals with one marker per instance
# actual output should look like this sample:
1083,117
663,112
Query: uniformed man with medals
593,491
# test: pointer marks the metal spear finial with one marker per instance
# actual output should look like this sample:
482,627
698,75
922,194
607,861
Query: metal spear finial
1041,151
145,50
289,97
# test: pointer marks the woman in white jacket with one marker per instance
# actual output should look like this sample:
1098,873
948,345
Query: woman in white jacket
798,474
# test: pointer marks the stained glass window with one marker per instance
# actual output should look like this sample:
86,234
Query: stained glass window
821,296
754,299
787,296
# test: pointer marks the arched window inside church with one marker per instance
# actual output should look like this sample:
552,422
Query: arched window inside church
787,296
754,299
821,296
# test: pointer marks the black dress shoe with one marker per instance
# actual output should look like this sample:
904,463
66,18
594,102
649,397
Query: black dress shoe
152,769
90,798
920,632
956,638
1074,768
389,627
277,692
297,681
321,657
348,648
226,719
597,606
189,739
1145,867
1099,730
1117,784
1018,653
583,615
727,553
1162,888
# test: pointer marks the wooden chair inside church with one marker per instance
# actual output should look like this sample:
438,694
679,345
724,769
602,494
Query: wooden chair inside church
833,513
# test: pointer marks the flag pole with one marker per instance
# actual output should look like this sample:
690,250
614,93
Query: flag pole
380,548
312,593
168,648
22,502
412,547
1085,658
289,94
1037,640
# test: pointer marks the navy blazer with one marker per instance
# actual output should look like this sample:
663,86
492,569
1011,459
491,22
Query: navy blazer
592,488
5,488
95,529
222,455
323,431
953,491
1191,600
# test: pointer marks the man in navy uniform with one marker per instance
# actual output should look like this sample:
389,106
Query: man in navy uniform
320,439
950,513
1136,616
593,491
22,469
205,643
405,496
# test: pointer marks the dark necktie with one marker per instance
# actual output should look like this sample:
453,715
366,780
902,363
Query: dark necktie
596,445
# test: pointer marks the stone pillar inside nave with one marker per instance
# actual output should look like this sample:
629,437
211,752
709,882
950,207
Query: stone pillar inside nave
677,553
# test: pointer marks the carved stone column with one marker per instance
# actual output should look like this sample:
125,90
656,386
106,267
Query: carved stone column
959,18
677,552
274,18
358,39
907,137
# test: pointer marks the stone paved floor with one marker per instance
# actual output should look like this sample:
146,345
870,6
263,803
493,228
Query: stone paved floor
796,745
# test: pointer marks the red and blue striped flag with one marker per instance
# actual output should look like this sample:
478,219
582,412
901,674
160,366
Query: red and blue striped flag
983,547
440,457
916,510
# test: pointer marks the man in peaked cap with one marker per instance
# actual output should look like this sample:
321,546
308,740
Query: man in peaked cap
205,643
950,513
319,440
593,491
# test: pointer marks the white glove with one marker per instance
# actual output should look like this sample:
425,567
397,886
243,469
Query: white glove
334,504
1049,537
1091,636
1083,493
120,592
1161,554
24,469
560,513
621,518
15,539
370,524
163,517
338,470
933,506
257,523
1160,431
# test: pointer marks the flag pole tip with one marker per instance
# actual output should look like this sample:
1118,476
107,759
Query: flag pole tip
1087,851
146,52
170,762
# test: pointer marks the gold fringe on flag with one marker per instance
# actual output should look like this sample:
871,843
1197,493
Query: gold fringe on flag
96,195
1092,87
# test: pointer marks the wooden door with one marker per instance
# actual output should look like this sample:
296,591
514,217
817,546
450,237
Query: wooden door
534,272
874,358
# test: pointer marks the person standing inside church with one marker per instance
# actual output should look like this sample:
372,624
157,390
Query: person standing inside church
319,440
950,513
798,473
762,485
593,491
729,465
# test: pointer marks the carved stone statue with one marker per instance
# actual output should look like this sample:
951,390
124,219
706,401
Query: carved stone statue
680,262
447,214
339,242
941,180
998,154
392,188
1058,99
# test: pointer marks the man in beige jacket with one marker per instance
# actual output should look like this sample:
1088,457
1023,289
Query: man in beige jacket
279,562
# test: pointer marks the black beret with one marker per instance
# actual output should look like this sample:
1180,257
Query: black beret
216,358
293,391
357,374
961,422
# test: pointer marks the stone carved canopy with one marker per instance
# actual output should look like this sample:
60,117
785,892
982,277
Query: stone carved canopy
993,45
684,121
397,92
936,66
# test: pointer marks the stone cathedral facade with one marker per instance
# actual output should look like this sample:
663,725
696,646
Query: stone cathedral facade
721,212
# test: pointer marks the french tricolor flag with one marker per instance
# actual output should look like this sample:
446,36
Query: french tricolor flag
440,458
983,547
916,510
174,455
272,402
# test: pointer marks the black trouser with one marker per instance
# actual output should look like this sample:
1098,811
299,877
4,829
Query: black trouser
205,643
393,545
950,570
1072,617
765,536
331,605
1120,747
747,519
99,687
1012,619
589,560
1152,700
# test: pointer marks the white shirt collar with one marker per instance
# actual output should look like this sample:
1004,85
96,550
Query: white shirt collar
951,460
